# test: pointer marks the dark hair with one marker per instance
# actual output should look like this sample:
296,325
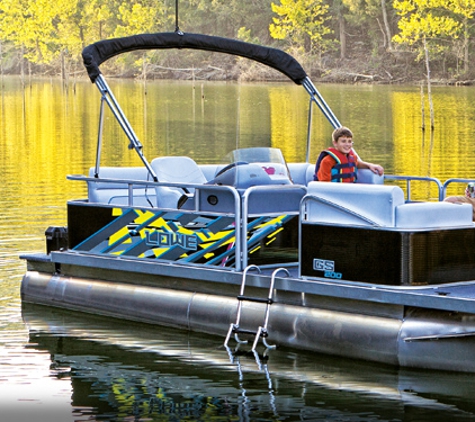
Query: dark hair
341,131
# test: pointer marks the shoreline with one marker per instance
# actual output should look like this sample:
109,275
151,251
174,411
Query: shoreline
331,76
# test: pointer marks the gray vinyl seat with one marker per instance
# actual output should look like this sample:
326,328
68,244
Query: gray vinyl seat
177,170
118,193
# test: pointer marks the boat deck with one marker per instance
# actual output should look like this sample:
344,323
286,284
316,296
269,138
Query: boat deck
459,297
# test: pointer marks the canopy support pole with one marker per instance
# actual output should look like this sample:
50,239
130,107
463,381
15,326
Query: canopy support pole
317,98
309,129
108,97
99,139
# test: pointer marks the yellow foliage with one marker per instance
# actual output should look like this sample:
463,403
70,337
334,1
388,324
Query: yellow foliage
429,21
302,21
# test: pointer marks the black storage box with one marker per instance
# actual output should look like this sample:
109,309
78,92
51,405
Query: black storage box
390,257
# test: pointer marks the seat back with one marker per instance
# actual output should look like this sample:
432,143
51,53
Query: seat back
353,203
368,177
177,170
210,170
302,174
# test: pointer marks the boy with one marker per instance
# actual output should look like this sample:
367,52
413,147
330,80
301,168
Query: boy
340,163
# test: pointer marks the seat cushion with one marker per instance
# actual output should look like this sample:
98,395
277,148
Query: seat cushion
433,214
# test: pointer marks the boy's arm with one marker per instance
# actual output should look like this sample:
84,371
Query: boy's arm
325,171
375,168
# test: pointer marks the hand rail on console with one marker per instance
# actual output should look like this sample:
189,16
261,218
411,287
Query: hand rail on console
453,180
409,179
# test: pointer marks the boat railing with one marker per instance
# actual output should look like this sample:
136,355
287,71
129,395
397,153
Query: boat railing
409,179
132,184
221,200
268,200
453,180
228,190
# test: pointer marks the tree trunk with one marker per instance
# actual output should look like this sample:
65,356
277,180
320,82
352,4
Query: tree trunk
466,42
1,63
22,67
423,117
429,91
63,70
144,73
388,43
342,36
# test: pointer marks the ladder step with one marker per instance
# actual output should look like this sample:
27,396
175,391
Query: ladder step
253,332
256,299
243,331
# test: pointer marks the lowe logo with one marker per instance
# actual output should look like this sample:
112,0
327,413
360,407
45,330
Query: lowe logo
157,239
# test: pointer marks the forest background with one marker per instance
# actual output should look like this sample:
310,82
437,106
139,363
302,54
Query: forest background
377,41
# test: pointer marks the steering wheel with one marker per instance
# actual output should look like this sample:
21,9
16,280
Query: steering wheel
229,167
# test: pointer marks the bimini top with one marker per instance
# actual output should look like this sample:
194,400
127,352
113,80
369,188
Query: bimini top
96,54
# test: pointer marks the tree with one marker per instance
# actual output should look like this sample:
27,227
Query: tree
302,22
139,17
464,11
337,10
43,31
226,17
426,26
95,20
34,25
372,16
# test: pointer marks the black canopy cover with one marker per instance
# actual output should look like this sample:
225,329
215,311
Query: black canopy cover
96,54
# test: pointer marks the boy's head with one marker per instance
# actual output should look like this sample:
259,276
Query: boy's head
341,131
342,139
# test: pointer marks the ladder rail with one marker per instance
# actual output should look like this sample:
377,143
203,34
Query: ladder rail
241,292
234,328
262,331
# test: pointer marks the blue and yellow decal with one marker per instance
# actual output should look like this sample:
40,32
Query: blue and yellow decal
177,236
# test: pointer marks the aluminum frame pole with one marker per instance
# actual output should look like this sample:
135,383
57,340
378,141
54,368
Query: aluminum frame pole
109,98
99,138
309,129
317,98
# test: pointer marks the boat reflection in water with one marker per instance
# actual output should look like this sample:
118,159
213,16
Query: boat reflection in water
125,371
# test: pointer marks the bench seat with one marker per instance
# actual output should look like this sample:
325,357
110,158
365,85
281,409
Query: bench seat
379,206
117,193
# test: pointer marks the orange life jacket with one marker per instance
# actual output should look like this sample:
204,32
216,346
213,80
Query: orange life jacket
344,169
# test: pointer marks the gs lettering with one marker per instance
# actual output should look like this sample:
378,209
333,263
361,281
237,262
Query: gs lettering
323,265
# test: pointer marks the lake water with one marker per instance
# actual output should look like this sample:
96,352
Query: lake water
60,366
